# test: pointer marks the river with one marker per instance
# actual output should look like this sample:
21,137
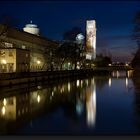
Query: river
107,105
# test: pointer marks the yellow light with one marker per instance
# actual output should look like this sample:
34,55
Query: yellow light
52,93
109,64
78,83
126,64
69,87
109,82
3,61
38,98
126,82
3,110
38,62
4,102
118,74
91,108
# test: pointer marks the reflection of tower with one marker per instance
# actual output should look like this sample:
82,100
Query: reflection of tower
90,39
91,104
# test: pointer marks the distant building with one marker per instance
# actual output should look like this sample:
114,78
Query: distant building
90,39
40,49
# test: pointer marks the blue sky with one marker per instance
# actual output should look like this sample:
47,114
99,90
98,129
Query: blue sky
114,21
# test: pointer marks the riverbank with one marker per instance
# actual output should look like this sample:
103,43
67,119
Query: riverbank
9,79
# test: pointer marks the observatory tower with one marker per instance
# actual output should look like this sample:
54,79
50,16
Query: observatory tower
90,39
31,28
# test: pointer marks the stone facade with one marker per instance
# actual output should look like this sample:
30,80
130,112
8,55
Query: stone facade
41,50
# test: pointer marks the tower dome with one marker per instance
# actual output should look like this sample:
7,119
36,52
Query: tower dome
31,28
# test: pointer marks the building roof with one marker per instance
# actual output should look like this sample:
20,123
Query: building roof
25,36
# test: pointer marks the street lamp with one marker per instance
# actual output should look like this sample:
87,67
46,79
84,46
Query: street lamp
38,62
3,61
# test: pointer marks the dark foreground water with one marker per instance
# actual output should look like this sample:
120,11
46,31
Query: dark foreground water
91,106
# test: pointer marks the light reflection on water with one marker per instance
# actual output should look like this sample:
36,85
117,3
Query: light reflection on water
91,104
81,106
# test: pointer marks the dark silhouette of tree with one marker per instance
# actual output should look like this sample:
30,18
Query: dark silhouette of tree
136,60
102,61
71,34
6,22
68,51
136,31
136,36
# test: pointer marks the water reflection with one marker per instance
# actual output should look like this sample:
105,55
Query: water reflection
76,99
126,82
136,83
109,82
8,108
91,104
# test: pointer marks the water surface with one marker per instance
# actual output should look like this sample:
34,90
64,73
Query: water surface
91,106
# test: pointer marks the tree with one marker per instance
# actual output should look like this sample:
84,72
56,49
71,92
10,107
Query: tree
6,23
102,61
136,31
136,36
68,51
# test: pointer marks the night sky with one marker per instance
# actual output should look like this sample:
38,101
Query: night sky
114,21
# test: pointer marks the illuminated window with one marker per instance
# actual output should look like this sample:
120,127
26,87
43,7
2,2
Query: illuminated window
23,47
2,52
8,45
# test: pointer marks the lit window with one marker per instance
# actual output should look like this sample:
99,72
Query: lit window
8,45
2,53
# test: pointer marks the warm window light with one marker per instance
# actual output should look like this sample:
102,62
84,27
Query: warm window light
52,93
69,87
3,61
38,62
38,98
3,110
78,83
4,102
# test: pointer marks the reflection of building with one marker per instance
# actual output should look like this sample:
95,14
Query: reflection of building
90,39
8,108
41,49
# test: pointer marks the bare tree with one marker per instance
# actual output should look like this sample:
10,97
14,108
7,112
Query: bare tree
136,36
